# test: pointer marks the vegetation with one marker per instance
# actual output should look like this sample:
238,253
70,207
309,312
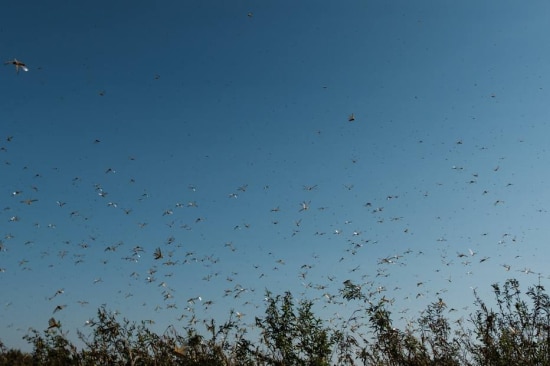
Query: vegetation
516,332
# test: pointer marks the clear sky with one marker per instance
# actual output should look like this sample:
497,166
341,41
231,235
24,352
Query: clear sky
219,133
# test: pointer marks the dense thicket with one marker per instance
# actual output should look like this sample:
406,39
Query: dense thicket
515,332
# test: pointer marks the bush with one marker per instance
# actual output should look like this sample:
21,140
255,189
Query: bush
517,332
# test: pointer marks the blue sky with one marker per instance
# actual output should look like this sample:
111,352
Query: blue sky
200,130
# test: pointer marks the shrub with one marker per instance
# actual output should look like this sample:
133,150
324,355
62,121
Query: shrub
516,332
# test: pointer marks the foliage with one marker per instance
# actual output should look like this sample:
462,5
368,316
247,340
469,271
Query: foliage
516,332
293,336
